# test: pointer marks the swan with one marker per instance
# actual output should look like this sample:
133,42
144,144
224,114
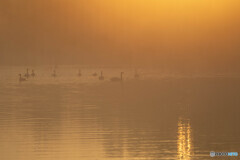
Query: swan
21,79
27,74
101,78
117,79
33,74
79,73
94,74
54,73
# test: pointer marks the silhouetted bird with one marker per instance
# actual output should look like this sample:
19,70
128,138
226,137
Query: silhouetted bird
33,74
27,75
117,79
101,78
21,79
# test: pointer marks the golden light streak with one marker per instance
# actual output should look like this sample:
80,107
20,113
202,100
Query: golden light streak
184,140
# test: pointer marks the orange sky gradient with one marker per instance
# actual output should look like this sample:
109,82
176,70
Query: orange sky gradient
187,34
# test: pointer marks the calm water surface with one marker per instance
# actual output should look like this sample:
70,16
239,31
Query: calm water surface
82,118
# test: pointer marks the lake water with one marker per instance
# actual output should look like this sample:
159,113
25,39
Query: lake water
157,116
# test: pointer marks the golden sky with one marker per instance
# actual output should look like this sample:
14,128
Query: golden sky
137,32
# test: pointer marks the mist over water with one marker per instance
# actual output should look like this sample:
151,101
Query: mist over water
180,93
183,36
154,117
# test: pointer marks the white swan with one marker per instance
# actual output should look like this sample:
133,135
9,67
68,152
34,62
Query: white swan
101,78
117,79
21,79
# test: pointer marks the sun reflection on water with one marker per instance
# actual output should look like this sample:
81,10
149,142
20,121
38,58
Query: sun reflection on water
184,139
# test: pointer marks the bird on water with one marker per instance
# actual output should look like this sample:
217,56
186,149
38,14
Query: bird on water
27,75
101,77
33,73
117,79
21,79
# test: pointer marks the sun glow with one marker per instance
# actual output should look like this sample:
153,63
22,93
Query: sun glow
166,32
184,140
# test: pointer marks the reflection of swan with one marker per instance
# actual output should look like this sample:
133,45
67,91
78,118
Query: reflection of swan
136,74
184,140
26,74
21,79
54,73
94,74
33,74
117,79
79,73
101,77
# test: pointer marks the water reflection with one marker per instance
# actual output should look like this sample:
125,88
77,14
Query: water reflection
71,118
185,151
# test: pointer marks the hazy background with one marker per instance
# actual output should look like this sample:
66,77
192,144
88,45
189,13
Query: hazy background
186,35
174,110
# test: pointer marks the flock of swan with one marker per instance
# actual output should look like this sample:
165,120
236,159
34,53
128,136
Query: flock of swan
54,74
26,75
